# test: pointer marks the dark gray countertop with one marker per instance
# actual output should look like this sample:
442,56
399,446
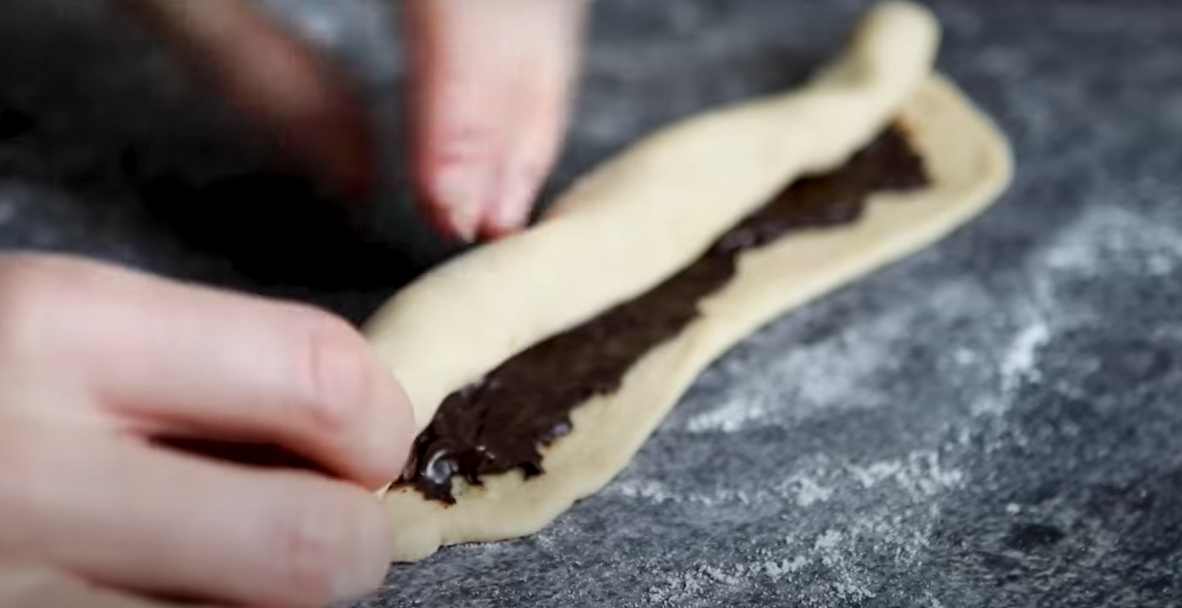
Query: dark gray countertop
995,422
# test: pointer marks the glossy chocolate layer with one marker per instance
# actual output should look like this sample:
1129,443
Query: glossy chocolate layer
500,423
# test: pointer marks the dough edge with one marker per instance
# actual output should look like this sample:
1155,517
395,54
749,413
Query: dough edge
969,162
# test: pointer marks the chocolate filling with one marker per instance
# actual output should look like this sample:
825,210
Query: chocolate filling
500,423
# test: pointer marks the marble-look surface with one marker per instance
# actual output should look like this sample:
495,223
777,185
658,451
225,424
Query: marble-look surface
995,422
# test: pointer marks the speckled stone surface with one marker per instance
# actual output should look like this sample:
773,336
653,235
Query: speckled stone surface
995,422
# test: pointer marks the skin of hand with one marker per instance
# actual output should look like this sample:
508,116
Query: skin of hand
97,362
491,84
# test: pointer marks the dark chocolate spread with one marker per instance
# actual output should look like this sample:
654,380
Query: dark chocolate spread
500,423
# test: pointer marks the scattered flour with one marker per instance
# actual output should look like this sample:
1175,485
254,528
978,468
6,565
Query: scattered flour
871,475
659,493
731,416
808,491
920,474
932,601
828,540
1104,240
1110,238
888,527
1020,361
829,374
696,585
653,491
820,375
965,356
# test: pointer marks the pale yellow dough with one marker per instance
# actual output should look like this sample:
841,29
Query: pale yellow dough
647,213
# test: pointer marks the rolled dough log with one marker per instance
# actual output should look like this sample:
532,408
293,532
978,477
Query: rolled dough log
647,213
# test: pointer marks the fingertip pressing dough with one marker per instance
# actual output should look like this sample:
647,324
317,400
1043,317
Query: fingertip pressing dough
646,214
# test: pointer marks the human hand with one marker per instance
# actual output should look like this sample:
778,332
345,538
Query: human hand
491,86
98,363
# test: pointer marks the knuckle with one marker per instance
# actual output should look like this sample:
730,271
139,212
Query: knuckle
335,373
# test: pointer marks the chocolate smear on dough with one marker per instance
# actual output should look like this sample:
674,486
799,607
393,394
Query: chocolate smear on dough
501,422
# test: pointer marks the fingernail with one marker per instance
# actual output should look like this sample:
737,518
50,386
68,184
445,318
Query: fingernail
464,219
462,190
515,200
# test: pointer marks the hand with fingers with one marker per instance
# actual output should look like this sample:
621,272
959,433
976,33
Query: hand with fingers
108,378
491,83
99,364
